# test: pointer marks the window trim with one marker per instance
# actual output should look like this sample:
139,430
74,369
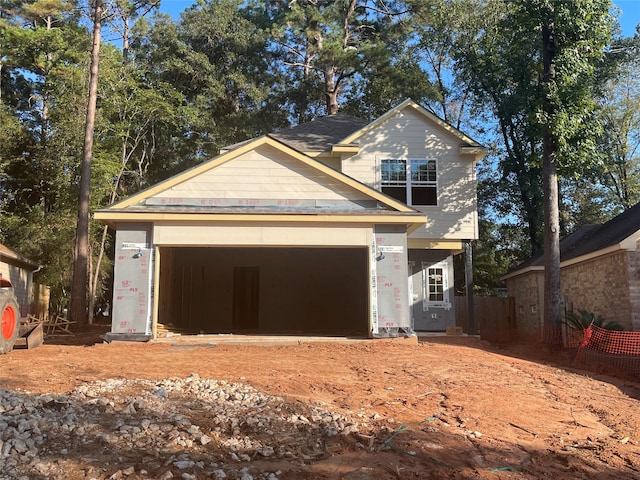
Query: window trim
408,184
445,302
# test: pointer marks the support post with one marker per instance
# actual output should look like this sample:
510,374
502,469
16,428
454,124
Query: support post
468,277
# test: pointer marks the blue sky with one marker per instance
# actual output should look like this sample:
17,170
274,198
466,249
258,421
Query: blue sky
629,19
630,15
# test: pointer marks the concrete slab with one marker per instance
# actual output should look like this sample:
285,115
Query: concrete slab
271,340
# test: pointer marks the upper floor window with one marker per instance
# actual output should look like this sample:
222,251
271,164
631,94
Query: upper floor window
411,181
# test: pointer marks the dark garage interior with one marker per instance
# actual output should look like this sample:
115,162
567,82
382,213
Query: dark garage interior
264,290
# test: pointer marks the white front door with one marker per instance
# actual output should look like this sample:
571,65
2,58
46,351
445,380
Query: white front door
431,303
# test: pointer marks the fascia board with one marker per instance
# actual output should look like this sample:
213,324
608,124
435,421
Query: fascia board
115,216
522,272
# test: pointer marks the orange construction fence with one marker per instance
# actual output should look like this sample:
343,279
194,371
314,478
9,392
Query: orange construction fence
610,348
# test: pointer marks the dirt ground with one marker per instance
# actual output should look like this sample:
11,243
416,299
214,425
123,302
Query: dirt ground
443,408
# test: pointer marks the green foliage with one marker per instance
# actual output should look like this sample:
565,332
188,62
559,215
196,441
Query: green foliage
43,55
496,61
334,53
564,105
583,318
420,66
216,57
618,171
229,70
498,55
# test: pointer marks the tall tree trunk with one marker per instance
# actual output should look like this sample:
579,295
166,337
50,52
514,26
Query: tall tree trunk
552,310
78,308
331,91
44,125
125,39
95,276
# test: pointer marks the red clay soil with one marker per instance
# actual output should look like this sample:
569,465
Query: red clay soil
456,407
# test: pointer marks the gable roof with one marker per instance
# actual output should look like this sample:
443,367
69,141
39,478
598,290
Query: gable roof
330,133
136,207
621,232
467,142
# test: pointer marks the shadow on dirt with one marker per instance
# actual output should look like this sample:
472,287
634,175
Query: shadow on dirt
597,367
92,335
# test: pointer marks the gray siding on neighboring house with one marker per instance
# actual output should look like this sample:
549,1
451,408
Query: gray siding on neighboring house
21,279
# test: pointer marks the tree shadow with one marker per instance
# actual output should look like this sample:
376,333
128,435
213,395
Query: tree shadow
600,367
91,335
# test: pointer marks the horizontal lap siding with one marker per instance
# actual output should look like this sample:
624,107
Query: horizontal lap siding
409,135
21,281
264,174
271,235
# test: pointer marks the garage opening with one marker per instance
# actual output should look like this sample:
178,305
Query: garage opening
274,290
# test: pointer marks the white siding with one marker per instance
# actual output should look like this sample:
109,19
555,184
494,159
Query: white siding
410,135
262,235
265,173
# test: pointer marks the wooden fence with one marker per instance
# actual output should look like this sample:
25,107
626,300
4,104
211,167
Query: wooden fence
494,317
40,295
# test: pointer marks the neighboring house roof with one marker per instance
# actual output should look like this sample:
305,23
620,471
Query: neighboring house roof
10,256
621,232
623,229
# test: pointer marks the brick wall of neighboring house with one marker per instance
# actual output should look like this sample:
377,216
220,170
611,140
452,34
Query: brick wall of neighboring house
601,286
634,287
527,289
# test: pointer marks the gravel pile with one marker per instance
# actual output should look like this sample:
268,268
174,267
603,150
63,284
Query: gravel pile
176,428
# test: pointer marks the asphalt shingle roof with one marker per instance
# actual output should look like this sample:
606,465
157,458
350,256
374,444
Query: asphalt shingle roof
591,238
321,134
